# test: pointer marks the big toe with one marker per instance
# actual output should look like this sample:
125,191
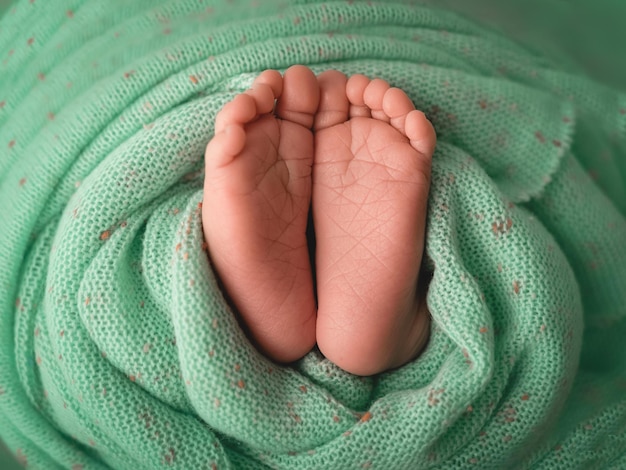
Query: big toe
334,106
300,96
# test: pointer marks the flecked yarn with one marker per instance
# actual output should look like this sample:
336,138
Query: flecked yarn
117,348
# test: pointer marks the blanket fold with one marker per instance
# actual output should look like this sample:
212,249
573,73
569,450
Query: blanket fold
117,347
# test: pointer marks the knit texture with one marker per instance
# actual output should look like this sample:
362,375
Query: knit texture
117,348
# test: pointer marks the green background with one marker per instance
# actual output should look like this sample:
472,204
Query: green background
6,460
587,32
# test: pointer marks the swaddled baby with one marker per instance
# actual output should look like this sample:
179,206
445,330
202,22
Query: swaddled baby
356,151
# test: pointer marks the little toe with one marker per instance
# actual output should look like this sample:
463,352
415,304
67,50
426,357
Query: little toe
300,97
421,133
273,79
373,97
241,110
355,88
225,146
397,105
263,97
334,105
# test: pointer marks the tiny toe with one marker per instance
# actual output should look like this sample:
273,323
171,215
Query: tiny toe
355,88
224,146
334,106
397,105
420,132
241,110
300,97
273,79
373,97
263,97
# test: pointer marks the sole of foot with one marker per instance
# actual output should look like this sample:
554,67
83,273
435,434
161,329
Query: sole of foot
257,195
371,178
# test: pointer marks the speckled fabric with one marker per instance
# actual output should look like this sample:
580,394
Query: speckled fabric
117,349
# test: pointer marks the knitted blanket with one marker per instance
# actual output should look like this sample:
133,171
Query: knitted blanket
117,348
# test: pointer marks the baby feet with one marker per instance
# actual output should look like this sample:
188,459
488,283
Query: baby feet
368,179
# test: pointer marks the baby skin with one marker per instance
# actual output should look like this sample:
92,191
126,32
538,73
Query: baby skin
358,153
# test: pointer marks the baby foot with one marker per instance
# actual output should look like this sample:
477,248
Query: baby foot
257,194
371,178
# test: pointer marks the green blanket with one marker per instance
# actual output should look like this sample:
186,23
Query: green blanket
117,348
